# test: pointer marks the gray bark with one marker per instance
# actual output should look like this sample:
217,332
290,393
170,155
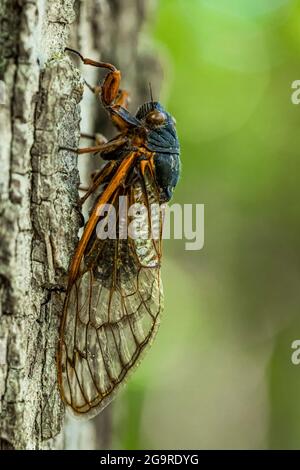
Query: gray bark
40,217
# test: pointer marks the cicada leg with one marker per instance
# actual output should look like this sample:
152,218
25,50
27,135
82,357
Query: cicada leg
108,148
93,178
94,89
122,98
114,100
99,139
97,179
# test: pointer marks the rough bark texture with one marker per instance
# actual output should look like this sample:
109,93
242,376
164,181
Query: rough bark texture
39,210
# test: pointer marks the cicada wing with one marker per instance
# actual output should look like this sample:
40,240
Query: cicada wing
111,313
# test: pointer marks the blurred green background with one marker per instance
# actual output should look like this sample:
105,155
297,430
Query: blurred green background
219,374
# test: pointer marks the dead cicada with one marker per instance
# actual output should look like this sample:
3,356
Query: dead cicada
114,295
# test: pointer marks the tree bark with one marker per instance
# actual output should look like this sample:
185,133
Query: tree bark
40,218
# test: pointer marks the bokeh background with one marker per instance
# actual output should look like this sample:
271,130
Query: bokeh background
219,374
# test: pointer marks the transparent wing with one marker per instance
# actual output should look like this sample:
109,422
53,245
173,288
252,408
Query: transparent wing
112,311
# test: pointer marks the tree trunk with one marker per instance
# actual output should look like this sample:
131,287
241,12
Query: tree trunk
40,93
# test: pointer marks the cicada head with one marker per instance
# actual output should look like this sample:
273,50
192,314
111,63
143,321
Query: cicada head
159,123
162,139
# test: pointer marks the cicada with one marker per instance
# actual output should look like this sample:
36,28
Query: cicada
114,296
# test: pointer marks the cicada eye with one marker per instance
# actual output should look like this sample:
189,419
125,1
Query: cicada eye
156,118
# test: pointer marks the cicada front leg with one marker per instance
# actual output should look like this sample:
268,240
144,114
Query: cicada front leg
113,98
106,150
99,139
